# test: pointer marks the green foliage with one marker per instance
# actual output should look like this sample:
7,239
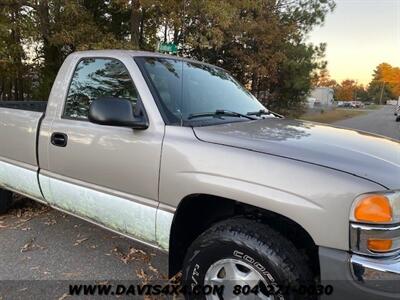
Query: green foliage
261,42
294,81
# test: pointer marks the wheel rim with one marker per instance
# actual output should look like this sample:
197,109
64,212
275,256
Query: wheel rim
230,272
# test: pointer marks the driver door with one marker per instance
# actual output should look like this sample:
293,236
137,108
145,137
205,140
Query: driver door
107,175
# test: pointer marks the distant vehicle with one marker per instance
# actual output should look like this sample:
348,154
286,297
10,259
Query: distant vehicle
397,113
357,104
350,104
344,104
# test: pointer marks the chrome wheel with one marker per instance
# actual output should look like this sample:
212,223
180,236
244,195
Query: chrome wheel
231,272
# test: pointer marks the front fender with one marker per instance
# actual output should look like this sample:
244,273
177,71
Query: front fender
317,198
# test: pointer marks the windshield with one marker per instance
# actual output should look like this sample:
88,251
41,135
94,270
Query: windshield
186,89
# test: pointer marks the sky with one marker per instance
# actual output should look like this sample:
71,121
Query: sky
360,34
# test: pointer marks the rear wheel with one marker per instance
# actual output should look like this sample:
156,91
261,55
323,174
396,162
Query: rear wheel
249,259
5,201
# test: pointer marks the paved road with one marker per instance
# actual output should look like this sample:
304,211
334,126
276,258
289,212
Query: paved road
380,121
38,243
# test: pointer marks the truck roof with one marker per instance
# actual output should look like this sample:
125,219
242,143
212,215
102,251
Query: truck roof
135,53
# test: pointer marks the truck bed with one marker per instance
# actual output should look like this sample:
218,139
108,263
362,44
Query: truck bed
38,106
18,135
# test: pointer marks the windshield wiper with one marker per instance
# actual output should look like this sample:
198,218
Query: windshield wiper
259,113
264,112
220,112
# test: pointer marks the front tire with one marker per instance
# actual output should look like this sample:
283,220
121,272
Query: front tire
242,252
5,201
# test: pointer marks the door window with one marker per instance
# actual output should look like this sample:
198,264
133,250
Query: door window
94,78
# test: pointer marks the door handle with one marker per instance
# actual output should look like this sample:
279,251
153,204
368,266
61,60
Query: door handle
59,139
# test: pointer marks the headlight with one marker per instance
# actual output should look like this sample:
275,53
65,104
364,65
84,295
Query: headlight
375,224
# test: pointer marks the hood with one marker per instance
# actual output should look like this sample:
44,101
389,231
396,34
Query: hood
363,154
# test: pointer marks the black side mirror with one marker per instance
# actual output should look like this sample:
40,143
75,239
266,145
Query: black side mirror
117,112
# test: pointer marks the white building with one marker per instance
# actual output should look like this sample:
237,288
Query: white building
393,102
321,97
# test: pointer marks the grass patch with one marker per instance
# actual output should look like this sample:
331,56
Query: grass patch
373,106
332,116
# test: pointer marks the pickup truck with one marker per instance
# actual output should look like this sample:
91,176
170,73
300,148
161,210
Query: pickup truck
176,154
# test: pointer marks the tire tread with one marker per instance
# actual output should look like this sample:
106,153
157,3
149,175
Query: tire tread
259,238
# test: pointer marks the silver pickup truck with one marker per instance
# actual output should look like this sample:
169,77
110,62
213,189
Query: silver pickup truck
178,155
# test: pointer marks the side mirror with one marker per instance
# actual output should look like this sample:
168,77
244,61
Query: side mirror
117,112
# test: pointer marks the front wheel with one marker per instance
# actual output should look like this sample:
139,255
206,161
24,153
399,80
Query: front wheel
249,259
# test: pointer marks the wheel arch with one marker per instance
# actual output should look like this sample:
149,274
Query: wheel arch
198,212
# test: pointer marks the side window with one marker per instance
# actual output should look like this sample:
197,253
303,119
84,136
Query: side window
94,78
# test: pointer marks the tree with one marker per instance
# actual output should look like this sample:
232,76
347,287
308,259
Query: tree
322,78
350,90
345,91
385,84
262,42
259,41
290,91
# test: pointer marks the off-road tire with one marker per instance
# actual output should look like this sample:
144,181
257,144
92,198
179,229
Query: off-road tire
5,201
255,242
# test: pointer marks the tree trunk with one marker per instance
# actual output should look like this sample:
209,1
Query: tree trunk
1,89
21,85
9,90
18,53
135,23
165,31
141,34
16,87
254,83
176,35
51,53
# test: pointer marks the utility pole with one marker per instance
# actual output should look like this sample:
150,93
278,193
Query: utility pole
380,99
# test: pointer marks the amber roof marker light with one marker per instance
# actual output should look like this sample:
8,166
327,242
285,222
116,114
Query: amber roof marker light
377,208
374,209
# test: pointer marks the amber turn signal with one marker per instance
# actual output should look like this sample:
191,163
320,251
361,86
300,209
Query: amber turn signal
380,245
374,208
